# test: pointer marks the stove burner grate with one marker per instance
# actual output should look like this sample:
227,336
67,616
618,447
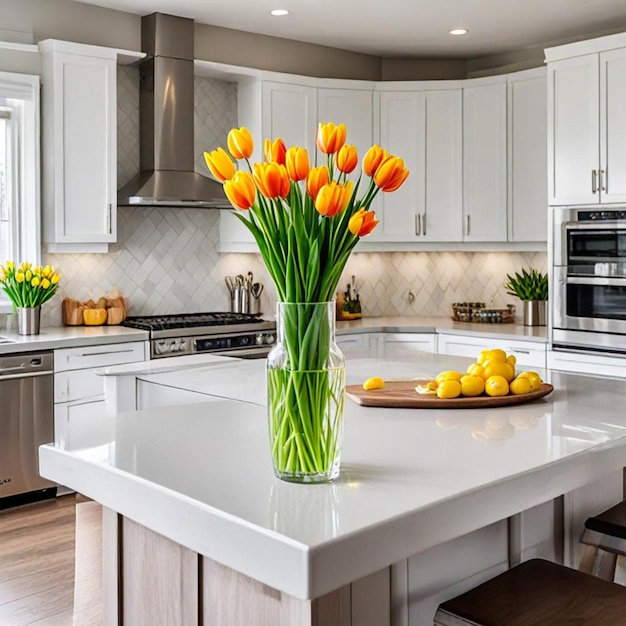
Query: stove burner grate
189,320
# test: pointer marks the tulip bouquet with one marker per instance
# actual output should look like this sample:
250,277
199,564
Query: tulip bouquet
28,286
306,221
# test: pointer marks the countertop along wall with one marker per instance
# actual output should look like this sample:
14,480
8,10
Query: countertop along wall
166,260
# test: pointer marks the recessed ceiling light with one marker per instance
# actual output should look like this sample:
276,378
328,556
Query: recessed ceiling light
278,12
458,31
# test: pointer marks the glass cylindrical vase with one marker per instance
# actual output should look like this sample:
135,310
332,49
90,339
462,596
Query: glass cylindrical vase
28,319
306,380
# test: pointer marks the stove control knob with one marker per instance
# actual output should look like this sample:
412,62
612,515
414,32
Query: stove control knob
260,339
269,339
159,347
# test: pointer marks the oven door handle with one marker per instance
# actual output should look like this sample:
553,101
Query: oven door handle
608,225
600,281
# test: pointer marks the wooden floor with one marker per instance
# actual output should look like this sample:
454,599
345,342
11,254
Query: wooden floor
37,564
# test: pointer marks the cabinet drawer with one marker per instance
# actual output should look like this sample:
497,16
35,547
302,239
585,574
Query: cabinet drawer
98,356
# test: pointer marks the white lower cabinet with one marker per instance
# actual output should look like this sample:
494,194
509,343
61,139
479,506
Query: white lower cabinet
591,364
79,408
359,346
527,353
405,345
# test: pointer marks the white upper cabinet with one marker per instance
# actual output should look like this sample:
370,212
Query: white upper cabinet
587,122
528,156
79,146
440,166
399,134
485,160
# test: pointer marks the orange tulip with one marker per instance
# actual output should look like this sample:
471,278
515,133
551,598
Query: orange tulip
220,164
240,190
317,178
272,180
347,158
333,198
275,151
240,143
362,223
390,174
330,137
297,163
372,159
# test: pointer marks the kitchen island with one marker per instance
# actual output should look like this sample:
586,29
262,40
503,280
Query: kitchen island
429,502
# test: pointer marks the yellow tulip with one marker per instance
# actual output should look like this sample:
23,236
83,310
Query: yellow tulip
362,223
330,137
333,198
240,190
56,278
19,276
240,143
45,283
372,159
10,265
26,266
36,269
317,178
347,159
272,180
47,271
220,164
35,281
28,275
275,151
297,163
390,174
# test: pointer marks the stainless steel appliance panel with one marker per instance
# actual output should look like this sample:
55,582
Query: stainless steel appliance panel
26,420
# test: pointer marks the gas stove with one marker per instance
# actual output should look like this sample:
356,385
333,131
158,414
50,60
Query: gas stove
227,334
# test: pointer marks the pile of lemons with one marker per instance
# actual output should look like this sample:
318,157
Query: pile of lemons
492,374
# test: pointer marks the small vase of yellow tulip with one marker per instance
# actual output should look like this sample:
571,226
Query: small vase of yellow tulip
306,221
28,287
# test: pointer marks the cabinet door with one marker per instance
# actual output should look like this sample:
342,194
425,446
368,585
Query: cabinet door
353,108
484,162
528,157
399,134
440,172
289,111
613,126
81,156
573,130
361,346
405,345
81,424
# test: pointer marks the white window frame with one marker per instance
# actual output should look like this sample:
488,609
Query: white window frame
27,222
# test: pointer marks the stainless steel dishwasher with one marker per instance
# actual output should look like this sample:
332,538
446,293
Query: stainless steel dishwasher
26,422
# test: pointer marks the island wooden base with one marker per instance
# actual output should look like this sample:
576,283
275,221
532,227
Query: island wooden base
150,580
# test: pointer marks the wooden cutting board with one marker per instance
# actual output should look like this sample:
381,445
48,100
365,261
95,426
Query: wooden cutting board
401,394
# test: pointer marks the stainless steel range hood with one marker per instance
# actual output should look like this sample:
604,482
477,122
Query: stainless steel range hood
166,115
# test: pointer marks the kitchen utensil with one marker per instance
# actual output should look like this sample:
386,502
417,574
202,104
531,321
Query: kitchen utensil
256,290
230,283
249,280
402,394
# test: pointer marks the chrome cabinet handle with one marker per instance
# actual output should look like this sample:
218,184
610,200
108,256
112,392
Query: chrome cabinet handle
594,186
468,225
109,220
424,224
418,225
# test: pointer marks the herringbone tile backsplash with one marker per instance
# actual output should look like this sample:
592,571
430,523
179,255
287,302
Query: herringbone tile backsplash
166,259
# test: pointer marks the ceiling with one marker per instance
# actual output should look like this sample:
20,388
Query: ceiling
403,28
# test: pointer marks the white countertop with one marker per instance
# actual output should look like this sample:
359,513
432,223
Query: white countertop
54,337
201,474
421,324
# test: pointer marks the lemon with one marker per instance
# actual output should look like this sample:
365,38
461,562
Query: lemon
534,378
475,369
448,375
496,386
483,356
472,385
499,368
520,385
449,389
511,360
375,382
496,355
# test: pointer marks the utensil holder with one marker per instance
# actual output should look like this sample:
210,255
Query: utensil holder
240,300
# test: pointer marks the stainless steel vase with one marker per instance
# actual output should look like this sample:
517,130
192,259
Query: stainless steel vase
534,312
28,320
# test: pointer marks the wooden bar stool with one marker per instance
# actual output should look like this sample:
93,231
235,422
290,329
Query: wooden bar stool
535,593
603,545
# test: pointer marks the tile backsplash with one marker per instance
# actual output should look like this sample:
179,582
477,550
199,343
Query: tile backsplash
166,259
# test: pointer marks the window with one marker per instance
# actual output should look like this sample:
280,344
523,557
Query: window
19,171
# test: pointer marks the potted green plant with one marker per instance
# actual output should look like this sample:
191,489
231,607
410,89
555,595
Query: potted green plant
531,287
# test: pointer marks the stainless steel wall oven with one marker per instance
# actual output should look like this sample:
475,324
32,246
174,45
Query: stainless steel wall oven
589,281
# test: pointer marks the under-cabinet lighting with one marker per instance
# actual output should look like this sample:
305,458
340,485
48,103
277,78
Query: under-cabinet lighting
279,12
458,31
